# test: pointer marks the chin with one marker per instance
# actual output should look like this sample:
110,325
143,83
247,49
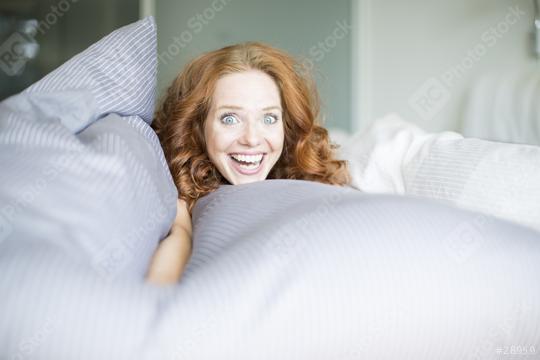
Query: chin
247,181
238,179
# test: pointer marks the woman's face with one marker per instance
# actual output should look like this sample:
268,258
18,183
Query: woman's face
244,127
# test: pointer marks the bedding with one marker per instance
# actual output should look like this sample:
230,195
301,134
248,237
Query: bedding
118,73
502,105
394,156
284,269
312,272
77,144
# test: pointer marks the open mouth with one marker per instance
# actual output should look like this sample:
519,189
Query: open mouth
248,163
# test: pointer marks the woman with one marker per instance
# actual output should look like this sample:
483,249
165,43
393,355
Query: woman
240,114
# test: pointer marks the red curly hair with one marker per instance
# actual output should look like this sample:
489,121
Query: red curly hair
179,122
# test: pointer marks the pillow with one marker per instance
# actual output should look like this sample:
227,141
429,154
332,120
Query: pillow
312,272
119,71
81,170
500,179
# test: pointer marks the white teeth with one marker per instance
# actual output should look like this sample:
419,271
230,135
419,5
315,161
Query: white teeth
248,158
249,167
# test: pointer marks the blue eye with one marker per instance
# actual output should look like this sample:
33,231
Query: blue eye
270,119
228,119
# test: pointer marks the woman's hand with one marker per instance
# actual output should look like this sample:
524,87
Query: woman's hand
173,252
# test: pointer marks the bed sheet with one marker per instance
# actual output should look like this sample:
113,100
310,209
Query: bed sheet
313,271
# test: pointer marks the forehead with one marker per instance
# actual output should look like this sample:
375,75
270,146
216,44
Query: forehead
252,88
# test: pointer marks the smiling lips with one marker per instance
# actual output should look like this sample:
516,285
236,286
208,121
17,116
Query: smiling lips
247,164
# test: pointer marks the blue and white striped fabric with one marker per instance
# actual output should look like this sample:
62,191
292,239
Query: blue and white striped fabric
285,269
119,71
281,269
85,196
61,177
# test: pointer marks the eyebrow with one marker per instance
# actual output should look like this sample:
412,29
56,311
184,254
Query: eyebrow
240,108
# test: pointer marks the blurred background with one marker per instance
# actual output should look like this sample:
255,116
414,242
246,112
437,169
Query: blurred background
49,32
466,66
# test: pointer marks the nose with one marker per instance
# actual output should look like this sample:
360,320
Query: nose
251,135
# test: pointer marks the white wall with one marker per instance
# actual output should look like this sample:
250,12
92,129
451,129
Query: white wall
403,52
410,50
313,30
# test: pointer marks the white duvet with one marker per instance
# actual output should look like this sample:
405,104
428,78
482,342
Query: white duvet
394,156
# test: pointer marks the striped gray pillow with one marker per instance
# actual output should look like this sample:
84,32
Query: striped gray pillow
118,70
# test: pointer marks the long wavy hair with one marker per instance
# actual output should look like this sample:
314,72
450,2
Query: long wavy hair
179,121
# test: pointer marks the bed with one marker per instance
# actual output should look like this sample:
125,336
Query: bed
375,270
